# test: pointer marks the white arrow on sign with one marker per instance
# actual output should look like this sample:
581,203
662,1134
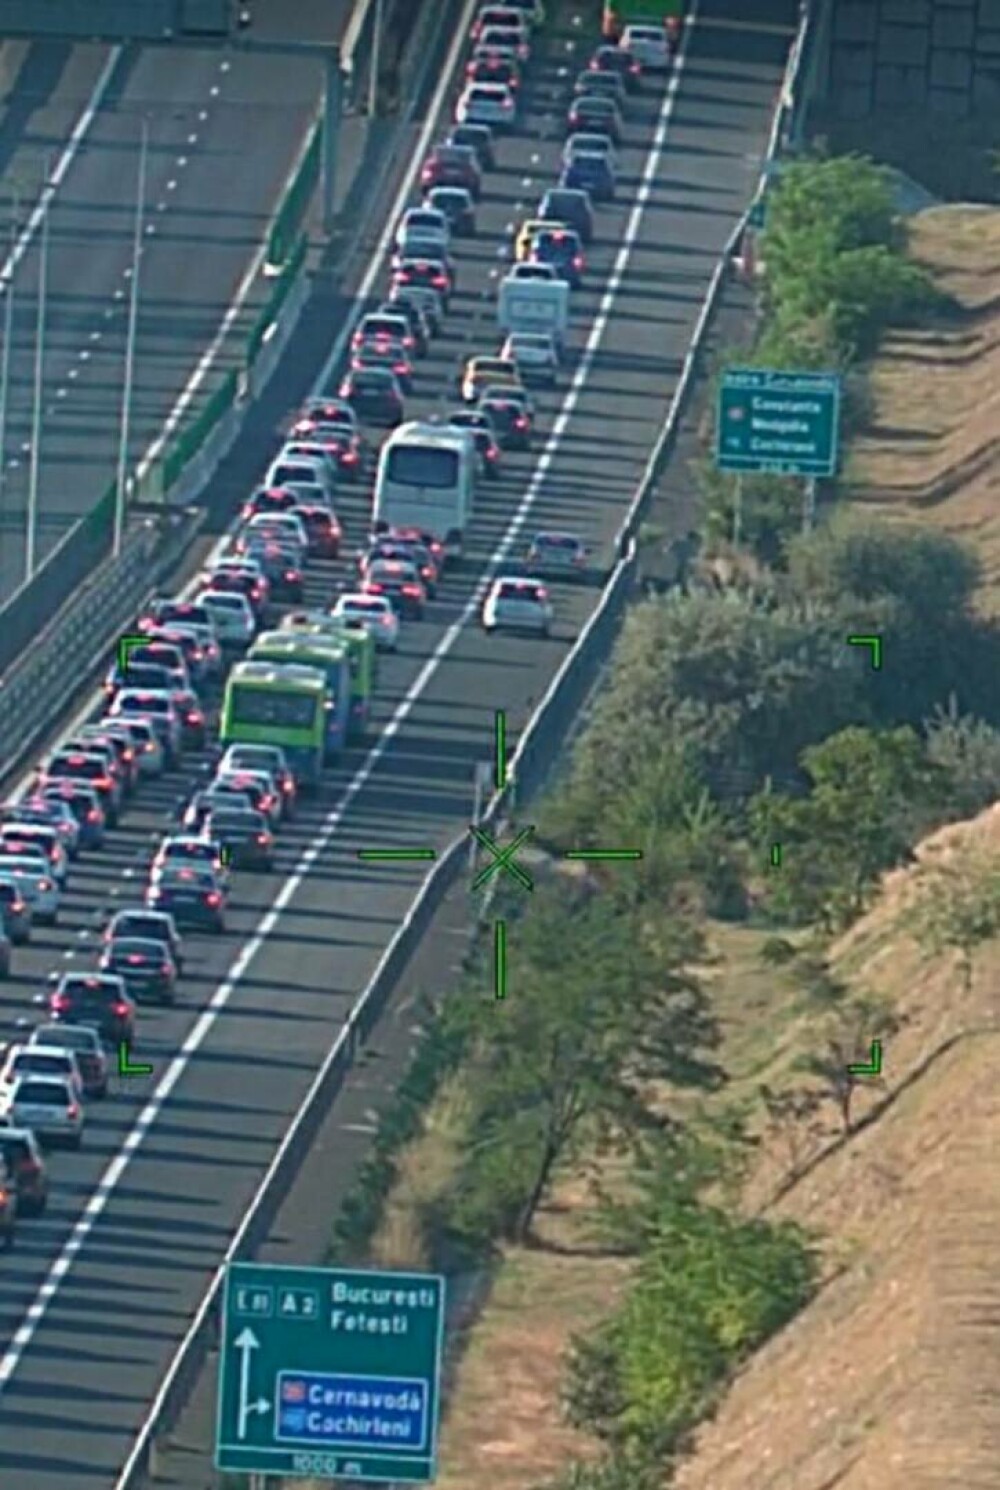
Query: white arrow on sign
246,1343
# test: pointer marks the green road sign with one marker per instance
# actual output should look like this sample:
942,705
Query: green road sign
784,422
330,1373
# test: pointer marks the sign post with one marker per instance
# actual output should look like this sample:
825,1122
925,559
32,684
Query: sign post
330,1373
784,422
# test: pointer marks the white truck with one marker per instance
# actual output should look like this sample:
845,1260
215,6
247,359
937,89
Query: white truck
538,305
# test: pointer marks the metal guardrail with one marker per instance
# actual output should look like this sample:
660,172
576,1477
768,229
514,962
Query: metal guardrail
529,767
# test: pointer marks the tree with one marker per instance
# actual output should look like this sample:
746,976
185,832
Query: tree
967,752
959,910
845,1040
594,1014
871,792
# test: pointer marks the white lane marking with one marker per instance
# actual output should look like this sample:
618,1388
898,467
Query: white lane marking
112,1176
62,165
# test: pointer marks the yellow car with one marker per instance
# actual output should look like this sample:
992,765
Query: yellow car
479,372
526,236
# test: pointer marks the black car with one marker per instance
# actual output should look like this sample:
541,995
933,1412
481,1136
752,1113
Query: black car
146,966
193,896
245,836
458,207
508,418
375,395
151,926
15,913
480,138
570,206
593,173
480,426
97,999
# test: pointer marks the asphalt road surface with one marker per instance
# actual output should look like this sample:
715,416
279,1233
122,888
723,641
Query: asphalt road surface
261,1004
224,133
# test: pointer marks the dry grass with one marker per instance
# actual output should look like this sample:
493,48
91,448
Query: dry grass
933,453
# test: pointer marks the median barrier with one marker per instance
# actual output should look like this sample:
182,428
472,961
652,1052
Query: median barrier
531,762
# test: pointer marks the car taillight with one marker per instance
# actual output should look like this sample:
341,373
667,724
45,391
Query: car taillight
411,590
103,782
213,898
194,716
520,422
149,745
61,1002
291,575
349,457
93,815
373,587
262,838
400,368
119,1007
45,885
73,1109
439,281
491,452
578,261
287,786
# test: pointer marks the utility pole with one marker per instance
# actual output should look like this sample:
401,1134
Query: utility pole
31,530
376,61
8,341
124,440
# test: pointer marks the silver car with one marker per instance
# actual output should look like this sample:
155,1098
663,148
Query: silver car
42,1060
233,617
37,888
85,1043
47,1105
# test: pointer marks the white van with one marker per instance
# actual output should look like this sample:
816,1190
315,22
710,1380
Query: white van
539,306
426,479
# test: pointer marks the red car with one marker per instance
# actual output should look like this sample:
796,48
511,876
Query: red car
322,529
452,165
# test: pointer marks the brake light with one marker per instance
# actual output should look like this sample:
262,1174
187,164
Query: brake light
411,590
73,1110
149,745
291,575
213,898
373,587
439,281
61,1002
520,422
401,368
578,261
119,1007
262,838
45,885
194,716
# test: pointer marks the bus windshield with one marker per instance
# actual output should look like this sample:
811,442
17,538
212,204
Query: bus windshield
422,465
272,706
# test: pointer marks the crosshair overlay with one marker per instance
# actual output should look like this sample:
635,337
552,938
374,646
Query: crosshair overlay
503,858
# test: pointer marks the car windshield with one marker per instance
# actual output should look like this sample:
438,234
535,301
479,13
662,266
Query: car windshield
134,947
45,1063
71,1037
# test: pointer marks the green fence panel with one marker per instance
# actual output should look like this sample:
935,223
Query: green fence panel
191,439
289,217
279,295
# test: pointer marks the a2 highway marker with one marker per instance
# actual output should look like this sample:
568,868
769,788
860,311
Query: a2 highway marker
330,1373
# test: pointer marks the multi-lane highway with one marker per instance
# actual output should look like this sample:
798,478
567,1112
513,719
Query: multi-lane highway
97,1293
224,132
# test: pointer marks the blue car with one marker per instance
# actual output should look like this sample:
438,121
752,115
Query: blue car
590,173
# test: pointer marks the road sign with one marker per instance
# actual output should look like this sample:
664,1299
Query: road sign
330,1373
784,422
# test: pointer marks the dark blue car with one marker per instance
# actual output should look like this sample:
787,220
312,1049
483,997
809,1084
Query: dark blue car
590,173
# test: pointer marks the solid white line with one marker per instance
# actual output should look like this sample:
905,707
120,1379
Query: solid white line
66,158
114,1172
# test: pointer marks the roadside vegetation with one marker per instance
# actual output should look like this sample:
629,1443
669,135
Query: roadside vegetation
735,719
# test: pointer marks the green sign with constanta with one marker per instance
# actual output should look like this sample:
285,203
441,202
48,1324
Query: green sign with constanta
785,422
330,1373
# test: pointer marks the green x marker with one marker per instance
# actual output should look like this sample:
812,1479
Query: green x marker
503,858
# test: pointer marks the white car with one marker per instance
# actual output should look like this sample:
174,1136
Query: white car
85,1043
46,1104
649,46
42,1060
181,849
149,752
423,223
519,604
534,354
487,103
311,453
158,707
287,526
586,142
232,615
375,613
36,886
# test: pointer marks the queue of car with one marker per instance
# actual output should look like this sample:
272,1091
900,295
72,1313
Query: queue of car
157,694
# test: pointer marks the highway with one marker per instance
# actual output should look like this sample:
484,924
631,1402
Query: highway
207,215
121,1267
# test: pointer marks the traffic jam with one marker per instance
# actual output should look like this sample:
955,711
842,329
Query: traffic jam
247,686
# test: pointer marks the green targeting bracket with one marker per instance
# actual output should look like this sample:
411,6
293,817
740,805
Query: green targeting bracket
502,859
128,1067
874,1066
127,645
875,643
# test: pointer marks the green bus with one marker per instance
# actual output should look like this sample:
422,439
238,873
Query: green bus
617,14
278,704
361,657
327,653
